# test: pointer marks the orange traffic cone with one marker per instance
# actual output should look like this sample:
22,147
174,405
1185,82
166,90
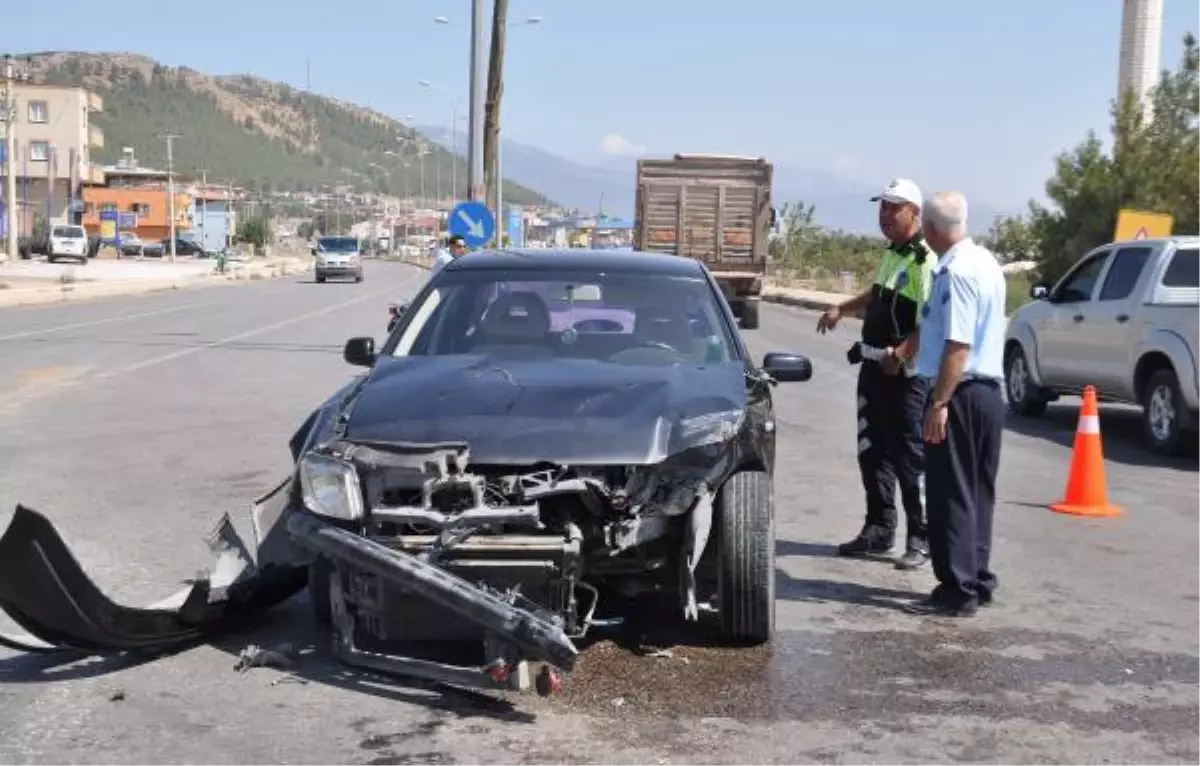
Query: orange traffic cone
1087,488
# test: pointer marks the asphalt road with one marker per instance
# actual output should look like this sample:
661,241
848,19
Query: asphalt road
135,423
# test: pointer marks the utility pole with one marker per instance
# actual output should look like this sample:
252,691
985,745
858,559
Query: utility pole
170,138
10,158
475,181
491,120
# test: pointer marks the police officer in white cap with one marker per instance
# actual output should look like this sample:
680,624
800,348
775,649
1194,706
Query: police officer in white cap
891,397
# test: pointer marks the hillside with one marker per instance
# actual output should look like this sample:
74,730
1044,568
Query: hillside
250,131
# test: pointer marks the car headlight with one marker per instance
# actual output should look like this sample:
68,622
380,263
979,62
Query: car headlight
330,487
711,428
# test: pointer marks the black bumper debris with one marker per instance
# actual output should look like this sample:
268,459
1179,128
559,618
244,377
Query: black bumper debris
45,591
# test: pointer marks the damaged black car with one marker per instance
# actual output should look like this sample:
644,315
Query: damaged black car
539,432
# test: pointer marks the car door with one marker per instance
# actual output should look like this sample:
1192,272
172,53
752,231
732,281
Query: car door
1108,326
1059,331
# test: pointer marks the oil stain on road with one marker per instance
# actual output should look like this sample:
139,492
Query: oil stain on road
30,385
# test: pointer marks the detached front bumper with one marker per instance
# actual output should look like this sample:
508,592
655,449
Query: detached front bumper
46,592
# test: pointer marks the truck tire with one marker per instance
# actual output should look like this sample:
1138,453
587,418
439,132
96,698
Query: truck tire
1023,396
745,511
1162,413
750,315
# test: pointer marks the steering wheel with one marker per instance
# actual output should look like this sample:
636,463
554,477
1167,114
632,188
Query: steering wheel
631,352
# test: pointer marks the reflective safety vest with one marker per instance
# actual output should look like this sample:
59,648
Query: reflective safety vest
899,293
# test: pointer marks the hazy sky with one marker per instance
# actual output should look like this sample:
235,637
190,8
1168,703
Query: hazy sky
951,92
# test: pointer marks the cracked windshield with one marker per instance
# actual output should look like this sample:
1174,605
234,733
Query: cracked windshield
672,382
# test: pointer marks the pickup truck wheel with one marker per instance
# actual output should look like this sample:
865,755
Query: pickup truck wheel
746,558
1162,414
750,315
1023,396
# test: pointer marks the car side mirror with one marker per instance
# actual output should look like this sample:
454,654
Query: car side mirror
787,368
312,251
360,352
1039,292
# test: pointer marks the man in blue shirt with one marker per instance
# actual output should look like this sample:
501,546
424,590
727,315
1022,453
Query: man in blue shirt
960,352
455,246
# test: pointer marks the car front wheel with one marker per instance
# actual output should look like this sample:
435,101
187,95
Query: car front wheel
746,558
1023,396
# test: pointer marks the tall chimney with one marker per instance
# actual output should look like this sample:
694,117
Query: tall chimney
1141,50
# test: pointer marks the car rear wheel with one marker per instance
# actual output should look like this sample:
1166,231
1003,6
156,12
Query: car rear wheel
1162,413
1023,396
746,558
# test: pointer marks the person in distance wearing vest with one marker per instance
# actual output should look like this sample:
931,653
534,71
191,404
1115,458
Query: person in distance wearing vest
891,397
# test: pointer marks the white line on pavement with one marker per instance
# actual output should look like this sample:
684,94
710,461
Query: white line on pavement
96,322
392,289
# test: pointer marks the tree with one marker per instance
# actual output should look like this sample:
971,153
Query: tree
1010,238
253,231
1153,166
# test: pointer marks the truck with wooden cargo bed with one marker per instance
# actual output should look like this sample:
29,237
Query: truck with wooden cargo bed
716,209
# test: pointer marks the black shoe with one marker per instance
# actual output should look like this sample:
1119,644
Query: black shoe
864,545
913,558
932,607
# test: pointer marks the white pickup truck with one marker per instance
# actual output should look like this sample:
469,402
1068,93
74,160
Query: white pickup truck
1125,320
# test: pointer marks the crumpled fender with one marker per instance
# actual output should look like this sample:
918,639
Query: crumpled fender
46,591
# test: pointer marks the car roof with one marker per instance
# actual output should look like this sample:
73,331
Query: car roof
577,259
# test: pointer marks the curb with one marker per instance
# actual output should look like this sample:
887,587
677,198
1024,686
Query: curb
90,290
804,303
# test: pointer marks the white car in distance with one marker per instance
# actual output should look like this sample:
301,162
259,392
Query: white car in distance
67,241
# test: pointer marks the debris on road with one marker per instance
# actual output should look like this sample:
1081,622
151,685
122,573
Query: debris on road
255,656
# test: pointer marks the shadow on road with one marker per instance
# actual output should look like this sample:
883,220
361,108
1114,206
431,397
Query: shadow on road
313,662
1121,429
827,591
71,665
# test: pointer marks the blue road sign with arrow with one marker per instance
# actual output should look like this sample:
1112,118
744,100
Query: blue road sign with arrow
473,222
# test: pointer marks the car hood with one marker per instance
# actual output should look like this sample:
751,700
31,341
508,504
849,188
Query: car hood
559,411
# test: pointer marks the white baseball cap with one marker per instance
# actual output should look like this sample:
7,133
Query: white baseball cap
901,190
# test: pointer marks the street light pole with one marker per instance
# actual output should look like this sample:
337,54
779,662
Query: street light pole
170,137
10,158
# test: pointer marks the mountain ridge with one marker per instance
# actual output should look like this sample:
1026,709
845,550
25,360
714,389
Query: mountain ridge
839,203
258,132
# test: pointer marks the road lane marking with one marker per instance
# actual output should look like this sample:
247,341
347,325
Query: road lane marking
97,322
259,330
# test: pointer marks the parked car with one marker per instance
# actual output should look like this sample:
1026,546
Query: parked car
67,241
132,244
184,247
28,247
1124,320
338,257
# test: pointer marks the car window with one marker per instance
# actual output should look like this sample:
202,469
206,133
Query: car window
1081,283
1124,272
1184,269
337,244
72,232
606,317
